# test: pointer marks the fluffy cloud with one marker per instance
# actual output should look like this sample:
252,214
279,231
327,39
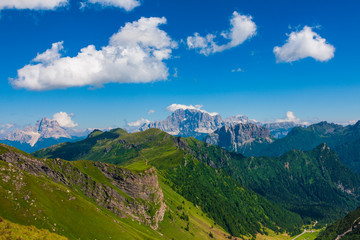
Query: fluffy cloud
128,5
138,123
174,107
135,54
290,117
32,4
151,111
64,119
303,44
237,70
241,28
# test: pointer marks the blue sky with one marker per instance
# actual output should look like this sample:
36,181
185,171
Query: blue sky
318,84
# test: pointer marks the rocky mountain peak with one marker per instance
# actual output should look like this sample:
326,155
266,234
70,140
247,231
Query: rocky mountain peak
232,120
43,129
187,123
50,129
190,122
239,137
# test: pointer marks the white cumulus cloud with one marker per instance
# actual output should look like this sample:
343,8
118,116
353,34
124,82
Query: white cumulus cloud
241,28
64,119
151,111
32,4
138,123
290,117
135,54
128,5
50,55
174,107
303,44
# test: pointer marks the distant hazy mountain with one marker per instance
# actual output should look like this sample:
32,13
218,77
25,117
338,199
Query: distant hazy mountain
280,129
344,140
45,133
240,137
188,123
232,120
198,123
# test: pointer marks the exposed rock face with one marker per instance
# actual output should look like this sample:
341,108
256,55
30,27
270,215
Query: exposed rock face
233,120
198,124
45,128
45,133
187,123
194,123
239,137
26,135
127,194
48,128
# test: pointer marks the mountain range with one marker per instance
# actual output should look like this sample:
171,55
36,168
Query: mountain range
170,194
198,123
344,140
182,122
240,181
44,133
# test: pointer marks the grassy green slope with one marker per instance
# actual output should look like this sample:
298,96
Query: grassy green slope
28,198
314,184
9,230
233,207
31,200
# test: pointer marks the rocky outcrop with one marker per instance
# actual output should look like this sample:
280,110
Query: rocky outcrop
45,128
240,137
187,123
199,123
45,133
124,193
194,123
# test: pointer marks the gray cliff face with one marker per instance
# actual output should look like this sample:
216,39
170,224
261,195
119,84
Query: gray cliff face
50,129
45,128
239,137
198,124
140,191
187,123
44,133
